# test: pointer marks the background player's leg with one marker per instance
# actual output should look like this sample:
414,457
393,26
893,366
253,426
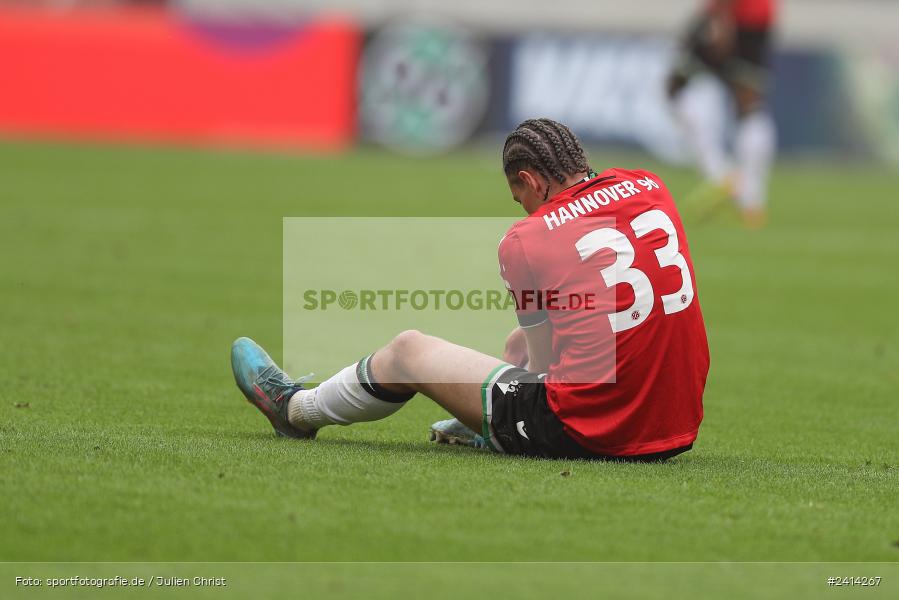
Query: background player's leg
755,144
704,134
379,385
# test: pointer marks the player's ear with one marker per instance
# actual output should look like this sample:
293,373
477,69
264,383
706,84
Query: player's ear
531,181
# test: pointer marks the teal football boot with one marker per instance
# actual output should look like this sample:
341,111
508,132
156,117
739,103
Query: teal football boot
266,386
454,433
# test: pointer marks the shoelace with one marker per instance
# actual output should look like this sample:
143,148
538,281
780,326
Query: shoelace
277,378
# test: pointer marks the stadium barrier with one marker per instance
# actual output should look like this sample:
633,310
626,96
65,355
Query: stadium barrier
610,89
148,74
418,86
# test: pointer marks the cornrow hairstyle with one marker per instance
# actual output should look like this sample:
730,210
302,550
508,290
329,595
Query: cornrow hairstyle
545,146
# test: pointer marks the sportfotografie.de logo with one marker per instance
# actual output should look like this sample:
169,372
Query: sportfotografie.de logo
401,299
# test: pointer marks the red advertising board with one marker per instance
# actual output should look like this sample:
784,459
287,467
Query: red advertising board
152,75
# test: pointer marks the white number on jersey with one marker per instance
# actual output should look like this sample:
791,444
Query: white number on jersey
622,270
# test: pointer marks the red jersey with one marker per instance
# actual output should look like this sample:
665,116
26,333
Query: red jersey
751,14
606,262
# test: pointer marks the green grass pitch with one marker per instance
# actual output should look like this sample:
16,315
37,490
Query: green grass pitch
128,272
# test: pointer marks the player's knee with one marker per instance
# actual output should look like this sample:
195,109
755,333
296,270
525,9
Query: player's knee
402,349
406,342
408,337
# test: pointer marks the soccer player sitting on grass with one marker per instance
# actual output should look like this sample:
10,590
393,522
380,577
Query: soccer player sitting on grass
619,373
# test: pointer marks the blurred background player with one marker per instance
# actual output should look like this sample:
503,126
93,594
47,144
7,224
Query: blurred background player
732,40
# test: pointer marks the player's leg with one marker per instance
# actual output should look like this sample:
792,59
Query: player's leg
451,375
452,431
371,389
755,146
705,135
755,138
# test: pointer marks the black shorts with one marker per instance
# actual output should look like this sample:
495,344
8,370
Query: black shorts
747,63
517,420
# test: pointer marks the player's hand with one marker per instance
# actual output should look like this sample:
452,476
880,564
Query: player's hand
516,351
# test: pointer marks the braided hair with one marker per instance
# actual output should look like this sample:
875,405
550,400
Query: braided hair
545,146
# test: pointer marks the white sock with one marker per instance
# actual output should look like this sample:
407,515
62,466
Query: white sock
350,396
706,138
755,145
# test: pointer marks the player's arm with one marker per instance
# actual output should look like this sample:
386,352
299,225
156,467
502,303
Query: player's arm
529,346
516,350
540,347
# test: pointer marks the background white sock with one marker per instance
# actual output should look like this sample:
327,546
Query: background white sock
706,136
755,145
348,397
